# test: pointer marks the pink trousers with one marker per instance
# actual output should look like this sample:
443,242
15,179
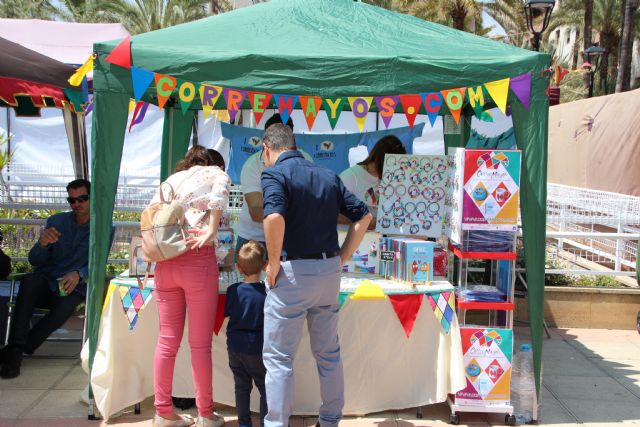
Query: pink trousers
187,283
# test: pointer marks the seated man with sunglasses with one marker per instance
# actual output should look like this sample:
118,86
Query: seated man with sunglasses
60,259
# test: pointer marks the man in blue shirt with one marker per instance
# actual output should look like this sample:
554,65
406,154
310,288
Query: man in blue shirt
61,260
301,206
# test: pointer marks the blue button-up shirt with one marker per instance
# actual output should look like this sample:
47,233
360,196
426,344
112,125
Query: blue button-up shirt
245,306
309,197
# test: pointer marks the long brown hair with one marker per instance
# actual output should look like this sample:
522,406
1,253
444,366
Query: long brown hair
196,156
389,144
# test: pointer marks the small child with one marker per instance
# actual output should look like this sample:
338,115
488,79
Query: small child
244,307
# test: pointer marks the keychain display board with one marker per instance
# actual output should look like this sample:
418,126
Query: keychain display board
412,193
487,355
484,188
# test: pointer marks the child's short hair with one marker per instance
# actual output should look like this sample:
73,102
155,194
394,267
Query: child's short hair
251,257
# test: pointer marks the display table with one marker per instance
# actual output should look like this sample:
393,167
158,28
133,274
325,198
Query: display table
383,368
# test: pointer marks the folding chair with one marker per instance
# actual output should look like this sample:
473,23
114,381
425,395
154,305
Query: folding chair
14,278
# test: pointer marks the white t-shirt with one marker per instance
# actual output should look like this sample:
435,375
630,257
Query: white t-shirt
250,181
363,185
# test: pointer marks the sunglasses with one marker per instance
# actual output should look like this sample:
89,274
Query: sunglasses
79,199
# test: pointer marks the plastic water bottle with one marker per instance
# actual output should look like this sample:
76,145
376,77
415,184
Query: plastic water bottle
523,385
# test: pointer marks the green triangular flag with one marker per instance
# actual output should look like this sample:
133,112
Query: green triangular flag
333,107
187,92
342,297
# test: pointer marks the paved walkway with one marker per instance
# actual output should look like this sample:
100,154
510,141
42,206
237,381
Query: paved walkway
591,377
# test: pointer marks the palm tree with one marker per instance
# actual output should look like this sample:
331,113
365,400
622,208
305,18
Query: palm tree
141,16
27,9
463,15
86,11
509,14
623,79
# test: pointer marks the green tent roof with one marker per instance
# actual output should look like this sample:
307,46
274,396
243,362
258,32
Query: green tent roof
326,48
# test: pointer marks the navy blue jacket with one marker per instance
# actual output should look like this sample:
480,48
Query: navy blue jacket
309,197
245,308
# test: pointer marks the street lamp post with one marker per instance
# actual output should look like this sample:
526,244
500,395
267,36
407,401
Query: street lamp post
592,56
538,14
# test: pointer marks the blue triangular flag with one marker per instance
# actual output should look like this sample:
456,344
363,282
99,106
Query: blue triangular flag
141,80
432,102
285,104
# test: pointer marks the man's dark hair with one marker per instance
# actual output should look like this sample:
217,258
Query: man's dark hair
277,119
279,138
78,183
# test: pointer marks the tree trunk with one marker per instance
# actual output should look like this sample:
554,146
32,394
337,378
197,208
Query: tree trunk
586,33
609,60
623,79
574,60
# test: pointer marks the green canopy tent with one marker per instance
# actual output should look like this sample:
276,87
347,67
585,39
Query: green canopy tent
315,47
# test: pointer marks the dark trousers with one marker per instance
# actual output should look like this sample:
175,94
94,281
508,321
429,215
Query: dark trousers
35,293
247,368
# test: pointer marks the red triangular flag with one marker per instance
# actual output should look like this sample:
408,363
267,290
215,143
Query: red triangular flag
259,103
217,325
406,307
411,104
121,54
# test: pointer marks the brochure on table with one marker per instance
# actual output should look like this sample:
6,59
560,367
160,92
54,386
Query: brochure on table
487,356
483,191
412,193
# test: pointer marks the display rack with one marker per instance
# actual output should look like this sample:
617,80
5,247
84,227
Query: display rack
500,313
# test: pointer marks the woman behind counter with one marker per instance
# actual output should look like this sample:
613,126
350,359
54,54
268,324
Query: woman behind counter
363,179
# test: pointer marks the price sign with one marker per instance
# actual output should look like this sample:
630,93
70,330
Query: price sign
387,255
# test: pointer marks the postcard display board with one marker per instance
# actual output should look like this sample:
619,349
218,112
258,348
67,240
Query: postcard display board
412,193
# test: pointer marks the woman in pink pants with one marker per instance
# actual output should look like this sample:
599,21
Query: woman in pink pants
189,283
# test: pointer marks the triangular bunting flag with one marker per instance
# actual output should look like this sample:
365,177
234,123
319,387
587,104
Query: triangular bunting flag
76,78
121,54
521,87
310,107
411,106
342,298
135,114
333,107
432,103
476,99
499,91
209,95
406,308
141,80
486,116
187,92
164,87
234,99
368,290
560,74
285,104
132,104
454,98
387,108
360,106
443,305
259,103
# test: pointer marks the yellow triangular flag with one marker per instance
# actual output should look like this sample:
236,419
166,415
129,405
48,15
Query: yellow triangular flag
360,107
132,104
368,290
76,78
209,95
499,90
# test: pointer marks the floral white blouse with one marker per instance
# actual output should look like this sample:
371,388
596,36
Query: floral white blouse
199,189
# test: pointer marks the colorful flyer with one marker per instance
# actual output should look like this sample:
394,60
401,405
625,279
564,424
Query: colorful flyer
487,356
365,257
412,193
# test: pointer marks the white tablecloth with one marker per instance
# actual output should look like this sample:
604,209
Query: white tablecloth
383,368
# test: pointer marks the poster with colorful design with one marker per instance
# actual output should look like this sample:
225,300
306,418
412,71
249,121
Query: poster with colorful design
412,193
487,356
487,198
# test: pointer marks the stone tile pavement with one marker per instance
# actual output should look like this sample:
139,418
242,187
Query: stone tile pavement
591,377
